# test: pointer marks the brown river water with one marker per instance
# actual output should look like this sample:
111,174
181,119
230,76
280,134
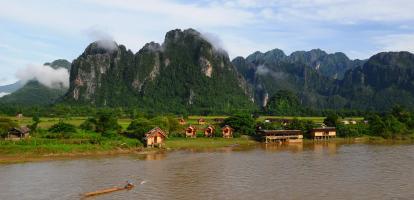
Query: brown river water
309,171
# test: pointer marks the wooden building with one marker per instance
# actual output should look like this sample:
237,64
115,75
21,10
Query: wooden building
209,131
323,133
191,131
18,133
155,137
201,121
227,131
279,136
181,121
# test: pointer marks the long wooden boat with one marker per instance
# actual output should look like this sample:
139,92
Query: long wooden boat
108,190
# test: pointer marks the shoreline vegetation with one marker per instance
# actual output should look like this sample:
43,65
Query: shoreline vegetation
21,151
107,133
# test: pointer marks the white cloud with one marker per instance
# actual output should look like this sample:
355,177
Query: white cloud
103,38
2,94
396,42
46,75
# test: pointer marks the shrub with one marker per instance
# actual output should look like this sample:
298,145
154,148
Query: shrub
331,120
61,130
5,126
89,124
107,121
352,130
137,128
242,124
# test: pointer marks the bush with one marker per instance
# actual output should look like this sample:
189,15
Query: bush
88,125
5,126
331,120
107,121
242,124
352,130
303,125
137,128
61,130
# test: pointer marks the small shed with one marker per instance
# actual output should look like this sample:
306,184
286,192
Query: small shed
19,115
209,131
191,131
18,133
155,137
227,131
323,133
201,121
181,121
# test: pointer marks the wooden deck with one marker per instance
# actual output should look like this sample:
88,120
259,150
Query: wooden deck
280,136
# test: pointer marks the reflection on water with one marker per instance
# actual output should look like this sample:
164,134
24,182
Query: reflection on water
323,170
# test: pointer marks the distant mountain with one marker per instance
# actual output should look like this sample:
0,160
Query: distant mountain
268,76
60,63
379,83
11,87
329,65
185,73
34,93
385,79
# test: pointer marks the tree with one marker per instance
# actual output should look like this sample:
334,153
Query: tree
303,125
331,120
61,130
36,121
138,127
89,124
241,123
284,102
107,121
5,125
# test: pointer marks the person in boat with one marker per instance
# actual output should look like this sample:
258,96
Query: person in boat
128,185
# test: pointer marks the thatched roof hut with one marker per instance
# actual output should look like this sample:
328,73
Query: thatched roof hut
227,131
155,137
18,133
209,131
191,131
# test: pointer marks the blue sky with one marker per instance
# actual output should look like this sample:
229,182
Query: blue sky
34,32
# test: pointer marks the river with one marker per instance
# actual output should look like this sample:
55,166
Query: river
311,171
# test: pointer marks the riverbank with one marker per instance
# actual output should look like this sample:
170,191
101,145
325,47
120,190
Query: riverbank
39,150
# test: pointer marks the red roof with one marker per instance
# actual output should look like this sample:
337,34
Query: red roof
154,131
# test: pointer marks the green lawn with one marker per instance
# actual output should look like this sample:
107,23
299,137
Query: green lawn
205,143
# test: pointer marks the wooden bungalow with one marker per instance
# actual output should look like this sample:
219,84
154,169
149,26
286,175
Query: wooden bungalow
181,121
191,131
323,133
227,131
18,133
201,121
209,131
155,137
279,136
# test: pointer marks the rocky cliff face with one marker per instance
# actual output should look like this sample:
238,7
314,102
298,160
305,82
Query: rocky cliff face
385,79
376,84
183,73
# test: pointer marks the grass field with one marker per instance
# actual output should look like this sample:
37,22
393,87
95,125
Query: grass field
207,143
